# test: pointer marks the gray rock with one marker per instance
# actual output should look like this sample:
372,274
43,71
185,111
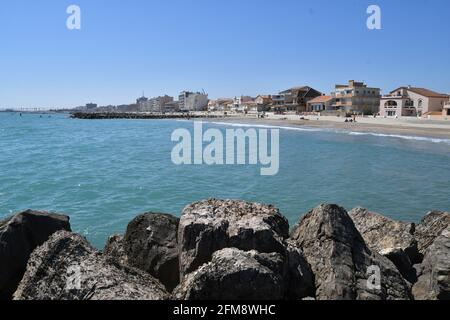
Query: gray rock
19,236
151,245
434,282
66,267
211,225
233,274
392,239
298,275
431,227
341,261
114,249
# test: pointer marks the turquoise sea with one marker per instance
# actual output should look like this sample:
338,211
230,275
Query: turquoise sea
103,173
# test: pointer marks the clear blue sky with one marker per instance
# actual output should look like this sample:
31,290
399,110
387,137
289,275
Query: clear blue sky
226,47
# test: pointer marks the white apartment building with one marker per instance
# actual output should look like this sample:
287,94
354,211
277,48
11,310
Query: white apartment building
193,101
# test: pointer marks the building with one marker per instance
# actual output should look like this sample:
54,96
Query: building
240,103
263,100
154,104
446,109
171,106
91,106
356,97
412,102
193,101
294,99
319,104
221,104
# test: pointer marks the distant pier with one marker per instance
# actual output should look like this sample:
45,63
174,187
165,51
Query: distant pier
136,115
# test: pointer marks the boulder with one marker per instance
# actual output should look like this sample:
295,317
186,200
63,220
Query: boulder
434,282
19,236
150,244
392,239
114,249
211,225
298,275
66,267
431,227
233,274
342,264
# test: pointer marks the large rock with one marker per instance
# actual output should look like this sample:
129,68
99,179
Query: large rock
431,227
341,261
19,236
150,244
298,276
233,274
211,225
392,239
66,267
114,250
434,282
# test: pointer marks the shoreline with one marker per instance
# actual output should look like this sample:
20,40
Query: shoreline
402,129
405,127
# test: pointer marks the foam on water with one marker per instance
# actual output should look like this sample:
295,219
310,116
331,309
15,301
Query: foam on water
353,133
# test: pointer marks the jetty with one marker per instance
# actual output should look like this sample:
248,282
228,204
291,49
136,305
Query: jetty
141,115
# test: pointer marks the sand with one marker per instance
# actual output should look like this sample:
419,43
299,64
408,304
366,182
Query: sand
407,127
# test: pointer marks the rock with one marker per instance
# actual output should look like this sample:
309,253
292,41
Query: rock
434,282
66,267
211,225
19,236
340,260
298,275
151,245
392,239
431,227
233,274
402,262
114,249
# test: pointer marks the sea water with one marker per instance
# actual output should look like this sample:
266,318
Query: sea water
102,173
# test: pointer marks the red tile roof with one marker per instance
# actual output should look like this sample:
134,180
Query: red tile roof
321,99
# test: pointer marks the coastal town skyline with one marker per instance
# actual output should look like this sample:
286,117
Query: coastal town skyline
214,47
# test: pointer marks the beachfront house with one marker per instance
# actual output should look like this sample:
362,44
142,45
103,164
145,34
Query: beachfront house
446,109
294,99
412,102
221,104
320,104
241,103
356,97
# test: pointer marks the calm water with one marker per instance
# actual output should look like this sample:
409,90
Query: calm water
103,173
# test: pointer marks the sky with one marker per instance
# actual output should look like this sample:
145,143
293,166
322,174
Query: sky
225,47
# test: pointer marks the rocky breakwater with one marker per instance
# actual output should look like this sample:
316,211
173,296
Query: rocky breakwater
224,249
139,115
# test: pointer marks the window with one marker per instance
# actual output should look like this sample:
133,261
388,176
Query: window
420,103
